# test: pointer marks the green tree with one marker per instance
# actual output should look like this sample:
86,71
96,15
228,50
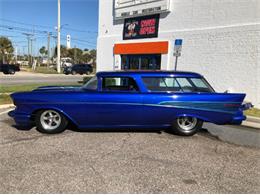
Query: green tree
63,51
76,55
93,54
86,57
43,51
6,50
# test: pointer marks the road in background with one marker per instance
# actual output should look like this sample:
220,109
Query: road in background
32,78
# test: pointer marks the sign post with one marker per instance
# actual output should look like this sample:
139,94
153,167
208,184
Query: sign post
177,51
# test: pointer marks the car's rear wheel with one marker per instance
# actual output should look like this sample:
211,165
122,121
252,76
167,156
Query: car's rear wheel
50,121
186,126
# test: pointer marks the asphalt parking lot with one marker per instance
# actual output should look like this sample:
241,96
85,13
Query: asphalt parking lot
123,162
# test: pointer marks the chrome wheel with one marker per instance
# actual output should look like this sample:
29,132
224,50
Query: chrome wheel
50,119
187,123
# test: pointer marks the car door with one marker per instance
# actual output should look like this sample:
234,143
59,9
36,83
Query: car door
81,68
117,104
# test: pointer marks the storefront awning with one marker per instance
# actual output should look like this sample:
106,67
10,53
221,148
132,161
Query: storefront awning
142,48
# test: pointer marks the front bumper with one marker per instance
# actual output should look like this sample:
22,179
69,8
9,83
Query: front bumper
21,119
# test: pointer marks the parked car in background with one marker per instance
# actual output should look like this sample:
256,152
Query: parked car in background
178,101
78,69
9,68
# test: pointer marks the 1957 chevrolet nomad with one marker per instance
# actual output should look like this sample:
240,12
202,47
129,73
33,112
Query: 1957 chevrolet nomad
179,101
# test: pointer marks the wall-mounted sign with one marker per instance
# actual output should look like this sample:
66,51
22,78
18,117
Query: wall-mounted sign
141,27
133,8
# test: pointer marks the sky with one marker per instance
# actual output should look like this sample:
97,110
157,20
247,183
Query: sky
79,18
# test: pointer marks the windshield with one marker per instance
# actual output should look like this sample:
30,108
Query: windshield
91,84
178,84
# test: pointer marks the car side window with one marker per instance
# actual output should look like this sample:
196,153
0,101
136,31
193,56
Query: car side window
185,84
119,84
92,84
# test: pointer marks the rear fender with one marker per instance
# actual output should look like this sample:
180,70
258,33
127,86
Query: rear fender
193,115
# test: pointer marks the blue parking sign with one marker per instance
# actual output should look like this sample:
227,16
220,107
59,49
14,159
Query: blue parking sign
178,42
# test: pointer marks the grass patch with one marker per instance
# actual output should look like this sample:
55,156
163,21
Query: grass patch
42,69
29,87
5,99
253,112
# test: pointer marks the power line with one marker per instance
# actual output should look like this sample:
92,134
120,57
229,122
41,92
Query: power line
77,30
22,29
22,23
34,32
49,27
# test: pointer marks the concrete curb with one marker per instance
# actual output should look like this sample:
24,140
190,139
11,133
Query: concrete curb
251,124
6,106
253,119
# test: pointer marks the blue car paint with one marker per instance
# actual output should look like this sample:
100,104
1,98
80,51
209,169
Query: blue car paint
124,109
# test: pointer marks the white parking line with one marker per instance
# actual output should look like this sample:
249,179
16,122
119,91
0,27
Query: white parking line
5,111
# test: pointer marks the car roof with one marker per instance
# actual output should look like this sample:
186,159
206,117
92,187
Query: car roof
148,73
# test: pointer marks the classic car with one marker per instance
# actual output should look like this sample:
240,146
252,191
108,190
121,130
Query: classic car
179,101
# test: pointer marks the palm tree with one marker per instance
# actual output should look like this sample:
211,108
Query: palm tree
43,51
6,49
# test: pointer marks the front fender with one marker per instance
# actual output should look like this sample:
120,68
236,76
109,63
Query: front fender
56,109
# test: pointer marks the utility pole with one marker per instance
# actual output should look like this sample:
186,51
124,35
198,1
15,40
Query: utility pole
48,49
16,50
29,62
29,37
31,57
75,54
58,39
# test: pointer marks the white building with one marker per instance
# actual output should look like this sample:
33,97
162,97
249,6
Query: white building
221,39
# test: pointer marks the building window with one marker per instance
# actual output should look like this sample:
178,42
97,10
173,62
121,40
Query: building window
141,62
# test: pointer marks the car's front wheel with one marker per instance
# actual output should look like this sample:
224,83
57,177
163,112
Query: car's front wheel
50,121
11,71
186,126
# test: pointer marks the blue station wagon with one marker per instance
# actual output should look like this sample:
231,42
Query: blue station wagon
179,101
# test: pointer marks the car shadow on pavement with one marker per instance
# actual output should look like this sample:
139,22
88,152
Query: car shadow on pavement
19,128
73,128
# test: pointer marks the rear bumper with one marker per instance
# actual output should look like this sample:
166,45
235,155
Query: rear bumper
237,120
21,119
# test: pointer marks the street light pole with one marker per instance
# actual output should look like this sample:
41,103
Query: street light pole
58,39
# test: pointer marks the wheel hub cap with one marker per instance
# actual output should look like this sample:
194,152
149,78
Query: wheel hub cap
187,123
50,119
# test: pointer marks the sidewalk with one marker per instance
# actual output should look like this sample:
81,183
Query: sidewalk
252,122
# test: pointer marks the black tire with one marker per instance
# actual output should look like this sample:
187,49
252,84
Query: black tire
178,129
73,72
40,126
11,71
